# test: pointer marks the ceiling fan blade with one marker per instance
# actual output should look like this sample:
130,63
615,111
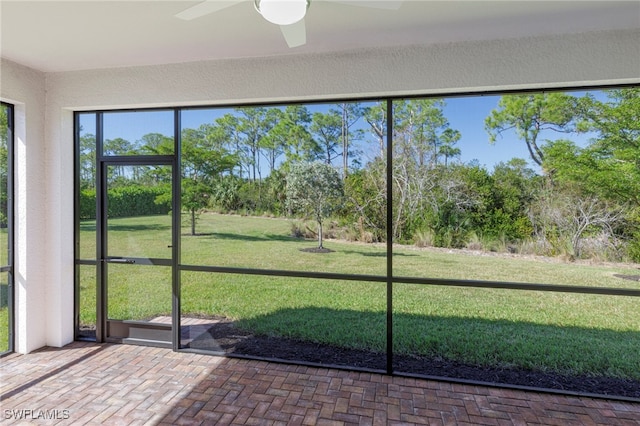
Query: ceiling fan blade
205,8
295,34
375,4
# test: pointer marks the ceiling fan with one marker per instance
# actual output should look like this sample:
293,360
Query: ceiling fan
288,14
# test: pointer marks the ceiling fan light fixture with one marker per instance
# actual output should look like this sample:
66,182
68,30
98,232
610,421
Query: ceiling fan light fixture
282,12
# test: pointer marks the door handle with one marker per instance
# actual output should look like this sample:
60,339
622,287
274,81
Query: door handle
120,260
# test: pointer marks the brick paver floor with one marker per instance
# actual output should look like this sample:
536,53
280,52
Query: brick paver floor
87,383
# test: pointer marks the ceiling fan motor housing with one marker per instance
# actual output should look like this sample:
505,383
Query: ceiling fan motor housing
282,12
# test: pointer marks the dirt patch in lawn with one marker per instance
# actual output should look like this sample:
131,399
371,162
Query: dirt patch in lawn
224,336
628,277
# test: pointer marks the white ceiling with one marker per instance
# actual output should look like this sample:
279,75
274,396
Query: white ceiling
87,34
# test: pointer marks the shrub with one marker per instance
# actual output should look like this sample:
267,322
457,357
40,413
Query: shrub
134,200
127,201
87,204
474,243
424,238
633,248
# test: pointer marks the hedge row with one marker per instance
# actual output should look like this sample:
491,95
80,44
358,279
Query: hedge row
127,201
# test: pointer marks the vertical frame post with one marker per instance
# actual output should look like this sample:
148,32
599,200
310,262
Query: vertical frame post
9,268
389,177
76,225
176,218
101,243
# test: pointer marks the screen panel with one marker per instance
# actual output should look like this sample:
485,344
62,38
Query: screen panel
86,300
87,180
296,187
297,319
531,187
575,342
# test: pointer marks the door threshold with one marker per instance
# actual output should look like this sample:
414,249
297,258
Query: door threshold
146,342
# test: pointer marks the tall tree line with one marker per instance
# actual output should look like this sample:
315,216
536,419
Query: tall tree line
577,198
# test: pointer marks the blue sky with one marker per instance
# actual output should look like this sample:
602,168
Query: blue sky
467,115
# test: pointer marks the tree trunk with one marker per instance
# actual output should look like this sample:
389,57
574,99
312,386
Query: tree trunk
193,222
320,235
345,142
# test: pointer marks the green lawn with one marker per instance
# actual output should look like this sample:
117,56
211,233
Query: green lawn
4,312
571,333
4,330
4,292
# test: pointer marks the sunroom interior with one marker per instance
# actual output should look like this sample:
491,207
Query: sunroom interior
242,279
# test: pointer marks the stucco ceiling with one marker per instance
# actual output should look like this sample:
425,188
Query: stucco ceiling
88,34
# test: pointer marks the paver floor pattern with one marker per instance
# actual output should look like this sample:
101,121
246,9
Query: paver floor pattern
87,383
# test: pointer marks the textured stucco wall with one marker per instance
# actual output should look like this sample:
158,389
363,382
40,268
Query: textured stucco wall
543,62
25,88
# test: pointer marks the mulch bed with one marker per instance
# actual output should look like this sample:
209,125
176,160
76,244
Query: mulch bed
225,336
316,250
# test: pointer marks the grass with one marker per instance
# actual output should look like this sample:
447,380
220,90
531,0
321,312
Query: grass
4,330
4,292
568,333
4,312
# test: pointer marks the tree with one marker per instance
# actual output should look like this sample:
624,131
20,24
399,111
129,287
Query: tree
293,130
513,188
327,128
233,143
316,189
529,115
203,159
459,192
273,143
420,131
563,218
157,144
447,149
351,113
87,153
420,127
4,123
366,201
117,146
376,116
617,120
614,154
608,168
253,124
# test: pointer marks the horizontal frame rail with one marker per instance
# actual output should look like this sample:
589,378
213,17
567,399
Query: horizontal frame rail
415,280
